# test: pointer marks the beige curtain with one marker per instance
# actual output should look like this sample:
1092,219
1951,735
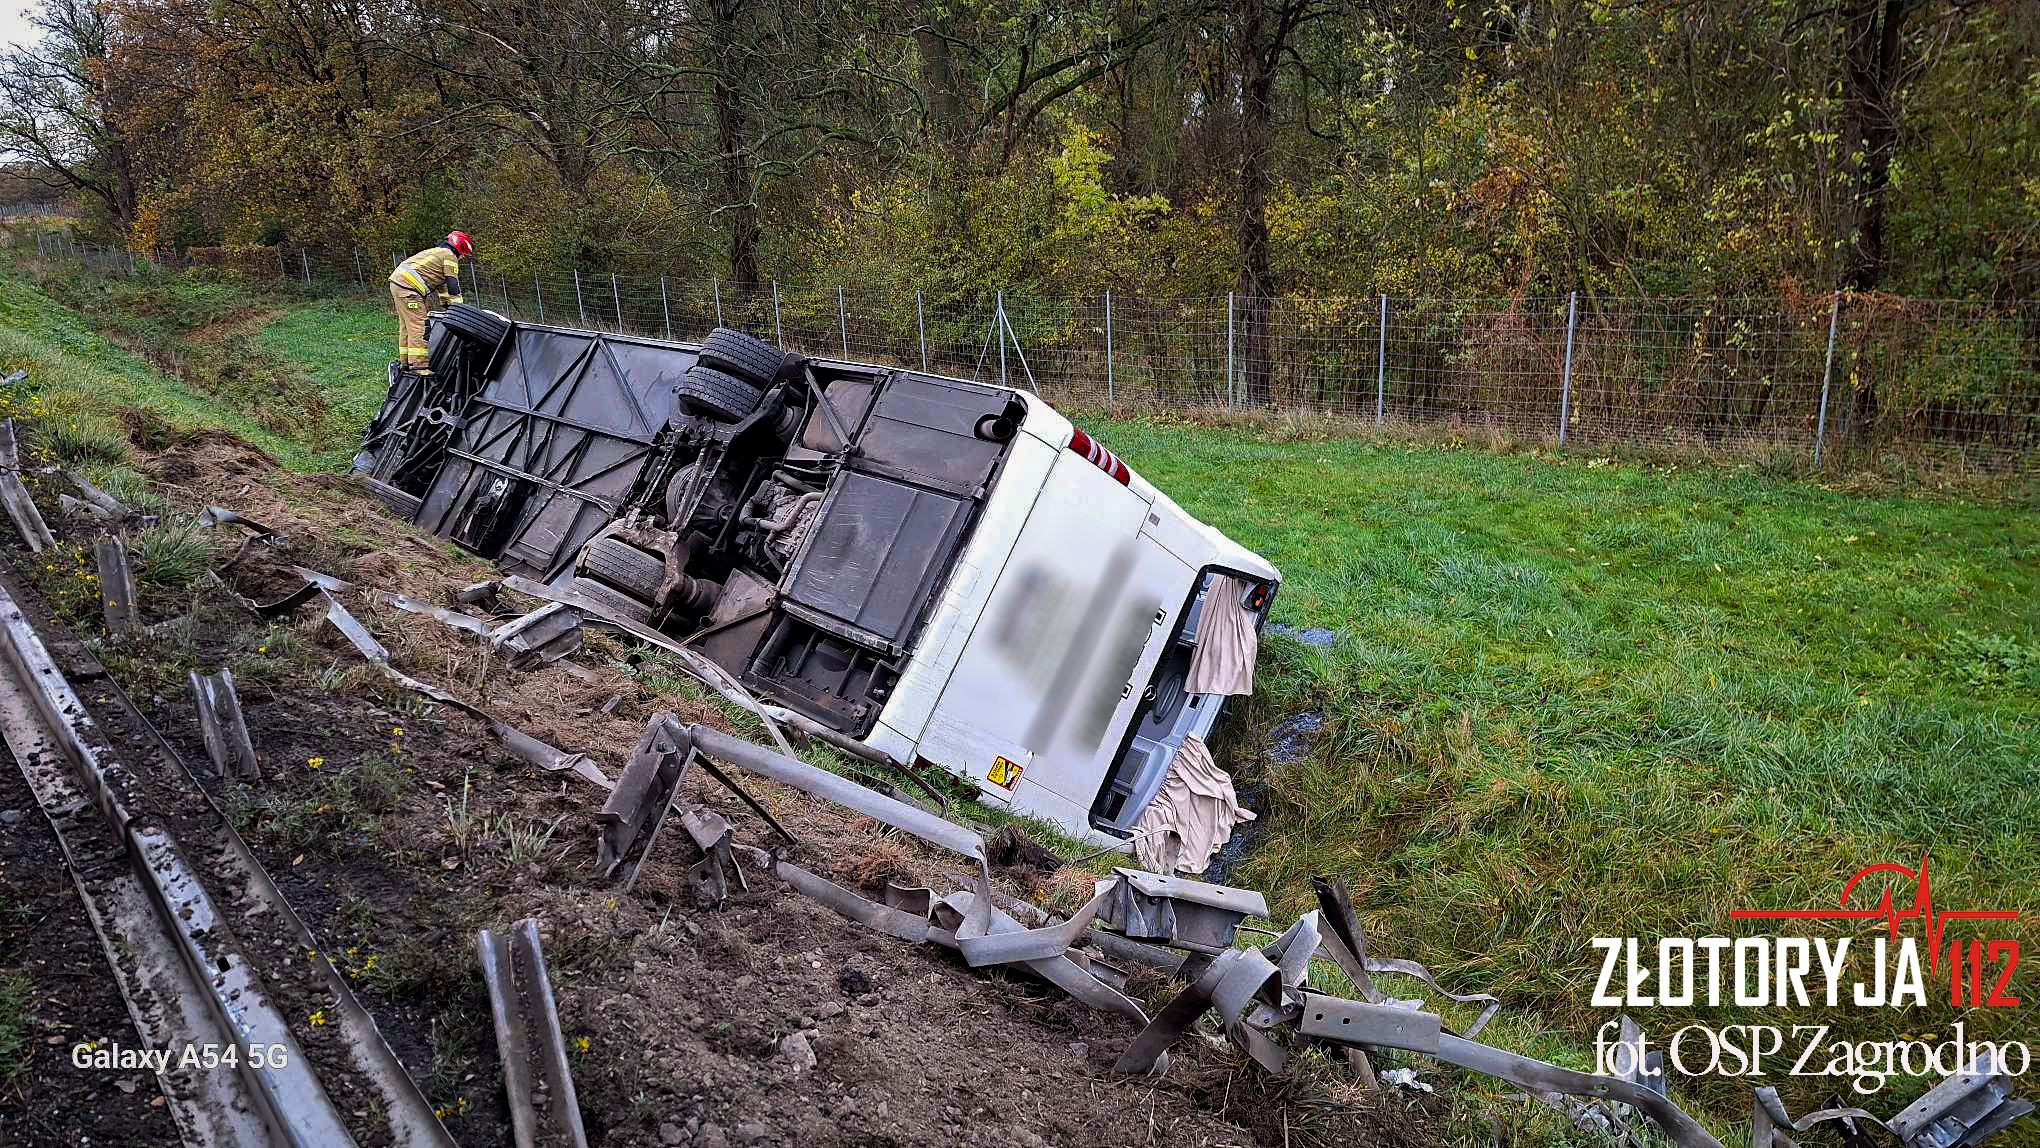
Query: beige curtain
1192,815
1223,662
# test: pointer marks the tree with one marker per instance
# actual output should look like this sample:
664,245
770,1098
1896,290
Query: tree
1264,35
54,107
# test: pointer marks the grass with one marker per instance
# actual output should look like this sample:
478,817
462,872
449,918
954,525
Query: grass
344,346
84,379
1573,699
172,555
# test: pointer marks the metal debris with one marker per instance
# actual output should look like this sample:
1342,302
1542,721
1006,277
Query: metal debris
215,516
1262,998
710,877
829,787
103,504
526,747
630,820
707,672
1179,912
539,638
527,642
528,1027
20,507
116,585
478,593
79,508
220,722
479,627
1346,943
1962,1111
744,795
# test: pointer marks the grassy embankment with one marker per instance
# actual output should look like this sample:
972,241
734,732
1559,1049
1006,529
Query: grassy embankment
1576,700
1571,699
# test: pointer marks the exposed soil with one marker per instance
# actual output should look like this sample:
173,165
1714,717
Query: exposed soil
46,936
397,829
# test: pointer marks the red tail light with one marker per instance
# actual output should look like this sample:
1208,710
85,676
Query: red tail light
1095,452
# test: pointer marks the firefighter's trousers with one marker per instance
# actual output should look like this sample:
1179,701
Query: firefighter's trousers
412,307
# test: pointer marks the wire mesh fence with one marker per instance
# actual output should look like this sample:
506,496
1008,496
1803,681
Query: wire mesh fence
1954,380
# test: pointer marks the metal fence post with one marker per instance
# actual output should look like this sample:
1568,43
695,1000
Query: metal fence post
1827,373
305,261
921,329
843,322
1228,351
778,336
665,308
616,297
715,286
538,289
579,305
1572,315
1381,367
999,330
358,280
1108,347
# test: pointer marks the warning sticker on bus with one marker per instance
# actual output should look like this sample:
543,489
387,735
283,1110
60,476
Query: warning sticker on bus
1005,773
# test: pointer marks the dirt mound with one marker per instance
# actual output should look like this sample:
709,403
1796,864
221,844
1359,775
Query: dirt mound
208,460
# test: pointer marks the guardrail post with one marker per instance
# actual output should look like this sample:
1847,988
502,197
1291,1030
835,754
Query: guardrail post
1827,373
1108,347
116,586
1381,367
538,289
579,305
1572,315
616,297
778,336
1228,351
665,308
843,322
921,329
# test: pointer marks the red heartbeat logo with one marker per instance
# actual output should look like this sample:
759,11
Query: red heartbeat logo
1922,908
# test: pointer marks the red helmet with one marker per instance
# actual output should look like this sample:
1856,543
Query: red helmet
461,244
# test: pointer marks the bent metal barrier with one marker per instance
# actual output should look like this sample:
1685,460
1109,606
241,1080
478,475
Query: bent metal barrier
187,980
1265,1002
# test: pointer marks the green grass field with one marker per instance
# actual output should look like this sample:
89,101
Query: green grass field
1575,700
1571,697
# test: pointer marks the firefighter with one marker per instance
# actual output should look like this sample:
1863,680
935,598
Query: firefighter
433,271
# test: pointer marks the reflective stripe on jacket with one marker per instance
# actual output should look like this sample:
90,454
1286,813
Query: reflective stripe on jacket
433,269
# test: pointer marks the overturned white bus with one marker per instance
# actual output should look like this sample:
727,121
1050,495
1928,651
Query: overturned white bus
941,571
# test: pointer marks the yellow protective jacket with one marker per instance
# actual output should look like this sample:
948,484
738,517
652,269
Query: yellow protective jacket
433,270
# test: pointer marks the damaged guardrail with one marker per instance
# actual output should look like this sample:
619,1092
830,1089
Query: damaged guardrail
224,730
536,1079
20,506
1262,998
